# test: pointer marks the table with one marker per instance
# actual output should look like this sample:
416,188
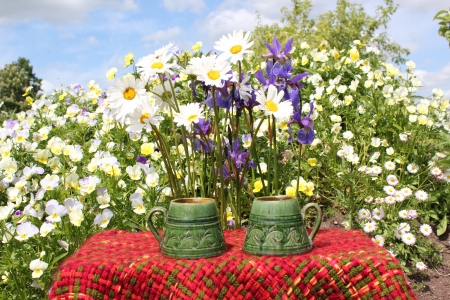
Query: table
344,264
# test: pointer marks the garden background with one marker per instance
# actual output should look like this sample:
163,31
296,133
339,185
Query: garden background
369,142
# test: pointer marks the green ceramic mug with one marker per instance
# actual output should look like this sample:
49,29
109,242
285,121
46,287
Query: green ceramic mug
191,229
276,226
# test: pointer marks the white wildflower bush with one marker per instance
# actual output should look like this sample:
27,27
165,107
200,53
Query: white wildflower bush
83,159
379,147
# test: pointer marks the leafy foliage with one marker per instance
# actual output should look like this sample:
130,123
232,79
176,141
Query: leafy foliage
15,78
338,28
444,29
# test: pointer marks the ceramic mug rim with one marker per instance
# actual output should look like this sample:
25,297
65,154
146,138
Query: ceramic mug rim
275,198
193,200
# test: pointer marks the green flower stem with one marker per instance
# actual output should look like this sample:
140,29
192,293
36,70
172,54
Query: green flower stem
169,167
299,168
217,136
254,154
269,159
275,155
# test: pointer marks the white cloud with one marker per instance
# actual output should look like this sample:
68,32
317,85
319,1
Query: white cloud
163,35
47,87
422,5
67,35
437,79
60,12
193,5
91,40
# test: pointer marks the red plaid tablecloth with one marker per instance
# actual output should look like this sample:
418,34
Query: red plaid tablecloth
121,265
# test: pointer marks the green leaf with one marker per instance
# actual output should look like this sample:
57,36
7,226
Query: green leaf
436,17
59,257
442,227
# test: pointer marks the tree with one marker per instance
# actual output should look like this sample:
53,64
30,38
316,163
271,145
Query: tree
444,29
348,22
15,78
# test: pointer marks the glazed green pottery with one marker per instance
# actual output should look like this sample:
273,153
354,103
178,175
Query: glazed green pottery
191,229
276,226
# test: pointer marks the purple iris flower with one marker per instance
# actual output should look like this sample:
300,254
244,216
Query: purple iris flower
201,145
276,50
203,127
223,101
271,78
238,156
306,133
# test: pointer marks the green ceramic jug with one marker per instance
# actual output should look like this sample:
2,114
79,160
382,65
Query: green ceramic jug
191,229
276,226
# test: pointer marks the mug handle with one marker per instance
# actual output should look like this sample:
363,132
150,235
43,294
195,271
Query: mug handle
318,218
161,209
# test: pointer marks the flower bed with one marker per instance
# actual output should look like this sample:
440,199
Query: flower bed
340,127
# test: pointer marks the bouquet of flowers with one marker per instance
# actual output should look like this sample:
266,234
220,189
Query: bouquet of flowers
217,122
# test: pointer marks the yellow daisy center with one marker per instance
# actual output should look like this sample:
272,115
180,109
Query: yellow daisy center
157,65
272,106
143,117
23,236
236,49
191,118
129,93
213,75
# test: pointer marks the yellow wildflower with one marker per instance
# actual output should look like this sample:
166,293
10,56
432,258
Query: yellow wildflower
128,59
197,46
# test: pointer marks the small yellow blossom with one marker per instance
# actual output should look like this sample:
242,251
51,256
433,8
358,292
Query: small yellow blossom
290,191
128,59
27,91
257,186
111,73
147,148
312,162
197,46
29,100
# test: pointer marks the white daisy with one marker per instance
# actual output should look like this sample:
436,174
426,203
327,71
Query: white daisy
164,96
390,200
436,171
421,266
421,195
379,240
144,117
370,227
376,170
151,65
425,229
392,180
211,70
234,46
125,96
189,113
403,214
364,213
379,200
447,175
389,165
406,192
272,104
412,168
390,190
408,238
398,196
368,199
378,213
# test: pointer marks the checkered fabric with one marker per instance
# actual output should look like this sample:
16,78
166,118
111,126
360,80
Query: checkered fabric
121,265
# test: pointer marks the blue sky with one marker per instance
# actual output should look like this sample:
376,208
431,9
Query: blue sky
74,41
